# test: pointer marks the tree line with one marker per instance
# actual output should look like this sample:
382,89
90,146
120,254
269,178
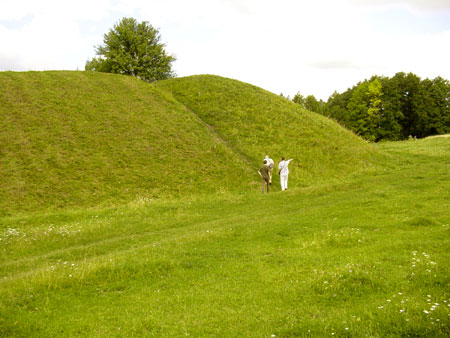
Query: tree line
384,108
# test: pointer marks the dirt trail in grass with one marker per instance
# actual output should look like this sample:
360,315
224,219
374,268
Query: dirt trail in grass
219,138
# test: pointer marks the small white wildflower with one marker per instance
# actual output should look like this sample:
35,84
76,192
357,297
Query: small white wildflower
346,328
388,300
425,311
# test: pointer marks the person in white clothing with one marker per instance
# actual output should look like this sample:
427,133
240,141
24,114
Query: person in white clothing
270,165
283,171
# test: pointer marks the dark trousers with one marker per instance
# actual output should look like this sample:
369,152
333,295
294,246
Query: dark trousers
265,183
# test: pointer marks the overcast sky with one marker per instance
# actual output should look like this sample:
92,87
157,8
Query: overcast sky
285,46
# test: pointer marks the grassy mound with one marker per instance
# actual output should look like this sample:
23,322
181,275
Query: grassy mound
80,139
255,122
88,139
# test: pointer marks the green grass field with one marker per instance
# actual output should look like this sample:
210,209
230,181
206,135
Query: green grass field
365,258
134,210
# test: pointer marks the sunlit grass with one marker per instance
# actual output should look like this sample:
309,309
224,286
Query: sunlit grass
368,257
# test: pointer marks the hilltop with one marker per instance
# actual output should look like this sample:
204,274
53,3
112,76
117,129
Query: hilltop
83,139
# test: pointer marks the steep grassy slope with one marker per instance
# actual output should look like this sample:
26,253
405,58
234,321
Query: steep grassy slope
255,122
88,139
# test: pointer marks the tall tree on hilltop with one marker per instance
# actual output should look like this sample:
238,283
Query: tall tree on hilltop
133,48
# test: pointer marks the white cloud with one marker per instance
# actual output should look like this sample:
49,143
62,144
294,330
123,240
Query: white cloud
432,5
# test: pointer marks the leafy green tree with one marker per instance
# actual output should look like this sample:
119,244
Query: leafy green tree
390,112
299,99
336,106
392,108
437,106
312,104
364,108
135,49
407,86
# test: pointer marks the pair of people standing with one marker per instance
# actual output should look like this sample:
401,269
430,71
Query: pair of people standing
266,172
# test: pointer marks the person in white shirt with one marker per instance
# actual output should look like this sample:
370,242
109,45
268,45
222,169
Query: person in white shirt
269,163
283,171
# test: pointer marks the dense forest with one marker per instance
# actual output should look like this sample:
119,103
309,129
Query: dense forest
384,108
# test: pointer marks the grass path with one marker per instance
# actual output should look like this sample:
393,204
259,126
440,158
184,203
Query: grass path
219,138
